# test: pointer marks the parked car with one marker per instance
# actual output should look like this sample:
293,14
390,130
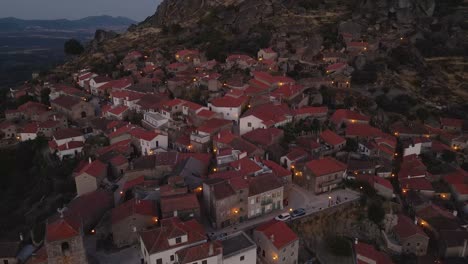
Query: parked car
298,212
220,236
283,217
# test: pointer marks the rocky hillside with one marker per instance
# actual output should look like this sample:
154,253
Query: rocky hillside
434,33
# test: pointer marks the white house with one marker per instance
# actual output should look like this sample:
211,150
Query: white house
149,141
97,82
267,54
154,120
29,132
265,116
160,245
67,142
85,77
277,243
206,253
229,107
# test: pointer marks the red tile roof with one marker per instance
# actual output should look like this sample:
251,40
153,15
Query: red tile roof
270,113
277,169
363,130
185,52
96,169
341,115
264,183
264,137
31,128
451,122
457,177
133,207
62,228
65,133
296,153
179,203
434,211
118,110
406,228
332,138
245,166
213,125
143,134
278,233
199,252
336,66
325,166
66,101
228,101
461,188
311,110
367,251
420,184
132,96
287,91
135,182
157,240
206,114
118,160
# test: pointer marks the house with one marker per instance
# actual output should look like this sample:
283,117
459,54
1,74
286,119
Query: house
201,138
356,46
333,57
119,112
72,107
230,107
287,93
161,244
435,219
321,175
272,81
225,199
209,252
149,141
238,248
417,184
64,239
416,146
9,251
338,67
363,131
382,186
154,120
367,254
460,142
347,117
453,243
84,78
276,242
184,206
131,217
411,237
97,82
89,175
66,142
8,129
29,132
226,139
409,130
332,140
294,156
265,116
452,124
265,195
177,67
188,56
264,138
239,60
267,54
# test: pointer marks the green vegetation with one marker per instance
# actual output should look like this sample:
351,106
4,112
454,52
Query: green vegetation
73,47
30,176
339,246
375,212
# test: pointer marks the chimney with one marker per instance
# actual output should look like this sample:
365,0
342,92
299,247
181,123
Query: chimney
219,135
465,247
55,118
21,237
455,212
356,241
272,238
90,160
115,129
211,250
415,221
175,213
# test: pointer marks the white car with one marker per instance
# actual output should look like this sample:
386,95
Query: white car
283,217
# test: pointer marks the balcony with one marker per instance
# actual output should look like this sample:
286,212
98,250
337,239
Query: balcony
266,201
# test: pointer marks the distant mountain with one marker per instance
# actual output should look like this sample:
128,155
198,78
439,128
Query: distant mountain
87,23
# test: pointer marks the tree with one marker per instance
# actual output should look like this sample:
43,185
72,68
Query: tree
375,212
339,246
351,145
73,47
422,114
45,96
448,156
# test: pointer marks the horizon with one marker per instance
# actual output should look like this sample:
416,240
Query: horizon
70,19
137,10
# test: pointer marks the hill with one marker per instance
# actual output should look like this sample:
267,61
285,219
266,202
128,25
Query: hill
87,23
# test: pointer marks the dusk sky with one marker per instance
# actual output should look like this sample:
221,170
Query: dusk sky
75,9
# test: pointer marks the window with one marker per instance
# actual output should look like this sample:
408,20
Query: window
159,261
292,244
417,243
242,258
65,248
249,124
263,253
284,258
284,249
178,240
172,257
204,262
5,261
252,201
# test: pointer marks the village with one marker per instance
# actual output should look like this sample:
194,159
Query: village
190,160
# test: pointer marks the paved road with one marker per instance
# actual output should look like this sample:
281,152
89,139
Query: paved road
298,198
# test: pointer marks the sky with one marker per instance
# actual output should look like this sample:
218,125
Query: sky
75,9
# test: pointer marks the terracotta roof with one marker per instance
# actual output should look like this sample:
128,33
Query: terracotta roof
457,177
132,183
263,183
287,91
222,190
365,251
363,130
264,137
452,122
345,114
157,240
461,188
277,169
384,182
278,233
133,207
336,66
118,160
270,113
199,252
66,101
296,154
311,110
331,138
434,211
62,228
118,110
213,125
186,52
241,57
206,113
96,169
421,184
143,134
228,101
268,50
406,228
49,124
325,166
179,203
31,128
245,166
132,96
